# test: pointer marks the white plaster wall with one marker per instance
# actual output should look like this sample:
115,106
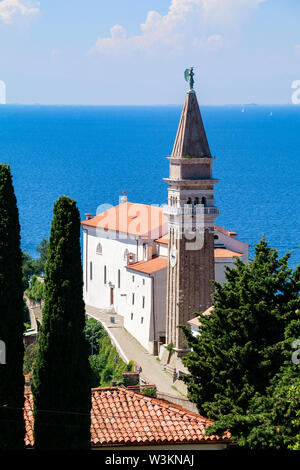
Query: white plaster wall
234,244
220,264
96,293
160,300
140,285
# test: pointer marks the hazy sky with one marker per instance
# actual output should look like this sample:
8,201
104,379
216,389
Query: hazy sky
135,51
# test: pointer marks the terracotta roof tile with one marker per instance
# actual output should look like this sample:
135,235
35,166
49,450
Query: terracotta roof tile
224,253
163,421
151,266
131,218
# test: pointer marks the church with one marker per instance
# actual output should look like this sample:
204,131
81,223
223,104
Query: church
154,265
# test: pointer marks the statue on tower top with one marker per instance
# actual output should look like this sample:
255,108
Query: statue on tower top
189,77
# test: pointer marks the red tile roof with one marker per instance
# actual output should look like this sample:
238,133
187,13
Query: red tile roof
229,233
133,219
224,253
163,240
138,219
151,266
122,417
195,321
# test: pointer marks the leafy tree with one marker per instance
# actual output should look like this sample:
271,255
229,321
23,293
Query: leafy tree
28,268
94,331
29,357
11,317
43,250
36,290
61,377
32,266
240,364
97,366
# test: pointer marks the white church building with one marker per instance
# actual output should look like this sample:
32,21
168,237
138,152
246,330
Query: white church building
130,267
125,252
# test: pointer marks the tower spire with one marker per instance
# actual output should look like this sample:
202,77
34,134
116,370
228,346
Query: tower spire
191,137
191,213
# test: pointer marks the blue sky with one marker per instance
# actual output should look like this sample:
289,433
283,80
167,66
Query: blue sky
135,51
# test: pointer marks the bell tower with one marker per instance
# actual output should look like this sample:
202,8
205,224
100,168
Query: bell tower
191,213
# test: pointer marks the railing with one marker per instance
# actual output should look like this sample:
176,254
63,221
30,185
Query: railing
190,210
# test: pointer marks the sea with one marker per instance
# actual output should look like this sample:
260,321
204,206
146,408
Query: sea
94,153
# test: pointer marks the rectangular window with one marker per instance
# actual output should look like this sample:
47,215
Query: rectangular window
91,271
132,299
131,316
142,320
119,278
132,278
143,302
104,274
143,282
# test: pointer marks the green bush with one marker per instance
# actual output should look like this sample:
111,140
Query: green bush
149,392
36,290
30,354
94,331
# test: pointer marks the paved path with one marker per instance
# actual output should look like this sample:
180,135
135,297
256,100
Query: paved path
130,349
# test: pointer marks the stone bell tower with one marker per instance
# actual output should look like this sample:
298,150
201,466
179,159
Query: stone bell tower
191,213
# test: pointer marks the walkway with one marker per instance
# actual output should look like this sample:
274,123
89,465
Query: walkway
130,349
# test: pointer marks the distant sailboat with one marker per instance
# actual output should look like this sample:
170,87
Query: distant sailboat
243,110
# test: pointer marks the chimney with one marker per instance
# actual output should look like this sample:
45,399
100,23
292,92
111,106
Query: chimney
88,216
123,198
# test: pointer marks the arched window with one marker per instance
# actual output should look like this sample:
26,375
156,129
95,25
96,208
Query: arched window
196,201
203,201
189,201
99,249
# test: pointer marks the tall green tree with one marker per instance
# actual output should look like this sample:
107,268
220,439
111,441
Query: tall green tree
241,363
43,250
61,377
11,318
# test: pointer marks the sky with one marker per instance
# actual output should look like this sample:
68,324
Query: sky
134,52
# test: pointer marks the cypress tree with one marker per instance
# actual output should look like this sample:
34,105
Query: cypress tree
61,388
11,318
241,363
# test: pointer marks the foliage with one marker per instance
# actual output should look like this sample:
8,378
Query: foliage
149,392
28,268
107,365
170,347
130,366
11,317
43,250
240,365
36,290
93,331
32,266
61,376
30,355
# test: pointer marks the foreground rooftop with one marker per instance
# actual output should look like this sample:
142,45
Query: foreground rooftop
122,417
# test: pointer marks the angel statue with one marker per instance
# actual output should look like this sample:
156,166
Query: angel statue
189,77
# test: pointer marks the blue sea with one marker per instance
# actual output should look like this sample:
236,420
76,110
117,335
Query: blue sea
93,154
